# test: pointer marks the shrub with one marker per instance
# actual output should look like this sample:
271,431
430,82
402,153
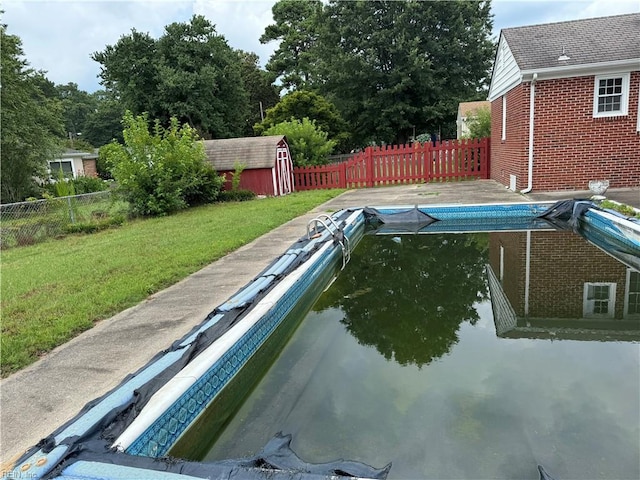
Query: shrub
89,185
162,171
236,195
308,144
237,173
95,226
480,124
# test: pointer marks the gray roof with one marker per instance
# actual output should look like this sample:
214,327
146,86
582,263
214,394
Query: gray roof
588,41
253,152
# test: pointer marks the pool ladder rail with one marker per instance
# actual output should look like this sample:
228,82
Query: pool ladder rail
337,233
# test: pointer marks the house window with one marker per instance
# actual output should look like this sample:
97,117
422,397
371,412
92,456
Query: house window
611,95
599,300
632,300
64,165
504,118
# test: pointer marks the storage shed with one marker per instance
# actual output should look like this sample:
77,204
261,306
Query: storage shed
268,169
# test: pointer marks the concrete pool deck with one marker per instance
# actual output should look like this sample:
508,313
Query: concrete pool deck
39,399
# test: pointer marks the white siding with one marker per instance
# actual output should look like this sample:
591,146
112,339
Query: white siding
506,73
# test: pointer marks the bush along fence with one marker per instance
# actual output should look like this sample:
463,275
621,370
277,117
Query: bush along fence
26,223
400,164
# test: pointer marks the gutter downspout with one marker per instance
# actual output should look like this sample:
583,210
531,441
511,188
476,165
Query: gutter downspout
532,94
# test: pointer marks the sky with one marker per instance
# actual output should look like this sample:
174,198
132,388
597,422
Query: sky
59,36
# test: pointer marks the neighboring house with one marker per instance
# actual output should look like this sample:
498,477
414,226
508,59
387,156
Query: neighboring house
268,168
74,164
467,111
565,105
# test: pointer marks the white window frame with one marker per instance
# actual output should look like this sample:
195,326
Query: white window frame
587,305
624,100
504,118
63,160
627,295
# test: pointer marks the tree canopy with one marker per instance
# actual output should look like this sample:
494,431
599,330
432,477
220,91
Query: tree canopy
263,94
190,73
309,144
32,126
390,67
296,28
307,104
407,296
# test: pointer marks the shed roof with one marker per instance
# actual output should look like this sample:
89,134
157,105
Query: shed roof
253,152
587,41
469,108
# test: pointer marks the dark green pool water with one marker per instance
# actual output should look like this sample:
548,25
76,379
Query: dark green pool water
400,361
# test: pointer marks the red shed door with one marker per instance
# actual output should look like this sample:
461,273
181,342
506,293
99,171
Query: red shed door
284,171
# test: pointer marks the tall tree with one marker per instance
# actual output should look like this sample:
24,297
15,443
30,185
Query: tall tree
32,125
77,106
263,94
393,67
296,27
129,69
190,73
104,124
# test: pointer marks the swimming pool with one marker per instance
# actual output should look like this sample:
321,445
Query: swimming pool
208,358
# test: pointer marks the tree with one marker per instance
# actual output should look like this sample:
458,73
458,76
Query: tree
411,304
296,28
393,67
480,124
77,106
263,94
190,73
162,171
104,124
308,144
32,126
306,104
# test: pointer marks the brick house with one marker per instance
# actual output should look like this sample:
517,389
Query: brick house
565,105
74,164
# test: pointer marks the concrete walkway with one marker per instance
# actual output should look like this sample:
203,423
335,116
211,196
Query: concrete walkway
40,398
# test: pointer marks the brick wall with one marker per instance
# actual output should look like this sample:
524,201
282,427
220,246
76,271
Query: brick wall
89,167
509,156
560,264
570,146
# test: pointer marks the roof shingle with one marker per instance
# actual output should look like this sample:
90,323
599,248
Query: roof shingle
253,152
587,41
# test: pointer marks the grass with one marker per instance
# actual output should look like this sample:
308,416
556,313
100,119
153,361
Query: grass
54,290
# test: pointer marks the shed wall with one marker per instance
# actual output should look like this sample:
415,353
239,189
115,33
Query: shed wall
258,180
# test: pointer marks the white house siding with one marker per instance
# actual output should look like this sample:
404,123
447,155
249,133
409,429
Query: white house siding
506,74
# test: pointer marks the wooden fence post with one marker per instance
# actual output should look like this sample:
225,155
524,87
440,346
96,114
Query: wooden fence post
369,166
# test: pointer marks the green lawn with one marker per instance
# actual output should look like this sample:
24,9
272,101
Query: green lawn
54,290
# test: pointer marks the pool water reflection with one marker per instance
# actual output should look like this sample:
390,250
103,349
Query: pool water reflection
461,356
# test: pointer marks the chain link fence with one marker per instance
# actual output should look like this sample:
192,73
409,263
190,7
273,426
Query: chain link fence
26,223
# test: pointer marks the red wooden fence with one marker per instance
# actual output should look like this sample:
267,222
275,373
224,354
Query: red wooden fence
400,164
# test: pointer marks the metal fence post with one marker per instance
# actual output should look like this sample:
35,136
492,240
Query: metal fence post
71,215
